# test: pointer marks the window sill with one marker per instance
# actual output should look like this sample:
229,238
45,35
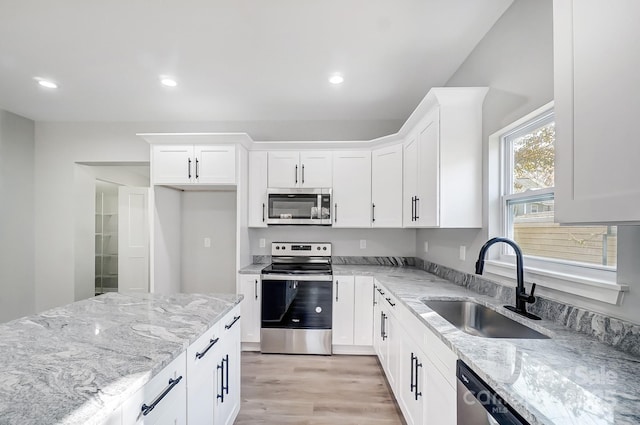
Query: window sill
596,289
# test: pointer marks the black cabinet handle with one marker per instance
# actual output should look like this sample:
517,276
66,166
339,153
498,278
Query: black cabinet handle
226,361
296,173
382,324
384,327
189,159
221,368
197,173
212,342
380,291
337,289
390,303
172,383
413,208
263,212
302,173
335,213
373,212
255,288
417,393
374,295
230,325
417,205
413,375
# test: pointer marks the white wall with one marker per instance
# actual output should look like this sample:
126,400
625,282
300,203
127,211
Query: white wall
346,242
167,240
515,59
17,240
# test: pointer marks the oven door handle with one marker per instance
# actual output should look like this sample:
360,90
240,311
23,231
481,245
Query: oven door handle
298,277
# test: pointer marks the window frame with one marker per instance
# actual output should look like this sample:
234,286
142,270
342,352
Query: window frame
552,275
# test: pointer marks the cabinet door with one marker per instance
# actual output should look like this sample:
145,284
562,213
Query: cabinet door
428,202
172,409
363,311
393,345
410,182
386,187
377,322
114,418
352,189
596,106
283,169
173,164
201,372
342,319
411,381
257,189
315,169
228,370
250,287
440,404
215,164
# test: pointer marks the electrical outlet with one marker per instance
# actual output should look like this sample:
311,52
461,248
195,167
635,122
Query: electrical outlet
463,252
263,243
426,246
207,242
363,243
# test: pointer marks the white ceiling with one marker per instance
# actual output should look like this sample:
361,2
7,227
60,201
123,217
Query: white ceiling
233,59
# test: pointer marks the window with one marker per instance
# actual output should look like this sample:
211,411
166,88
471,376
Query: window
527,203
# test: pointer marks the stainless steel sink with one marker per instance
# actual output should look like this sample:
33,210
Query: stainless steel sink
476,319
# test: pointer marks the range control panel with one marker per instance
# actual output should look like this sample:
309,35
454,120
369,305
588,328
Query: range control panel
301,249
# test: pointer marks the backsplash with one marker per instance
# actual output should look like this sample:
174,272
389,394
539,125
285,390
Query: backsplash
618,333
355,260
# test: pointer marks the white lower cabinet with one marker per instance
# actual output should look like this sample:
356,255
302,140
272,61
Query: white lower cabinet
343,308
419,367
251,288
162,400
227,372
202,387
115,418
363,311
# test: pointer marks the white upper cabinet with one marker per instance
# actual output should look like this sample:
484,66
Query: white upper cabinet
597,94
257,189
386,187
194,164
443,160
352,189
291,169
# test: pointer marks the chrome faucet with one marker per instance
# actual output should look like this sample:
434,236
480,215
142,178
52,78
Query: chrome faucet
522,298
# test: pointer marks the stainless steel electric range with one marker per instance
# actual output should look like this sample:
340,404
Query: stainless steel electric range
297,299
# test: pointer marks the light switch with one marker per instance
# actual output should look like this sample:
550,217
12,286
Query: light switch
426,246
207,242
463,252
263,243
363,243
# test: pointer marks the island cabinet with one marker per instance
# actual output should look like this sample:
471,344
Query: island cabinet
352,189
293,169
213,373
162,400
442,174
194,164
596,103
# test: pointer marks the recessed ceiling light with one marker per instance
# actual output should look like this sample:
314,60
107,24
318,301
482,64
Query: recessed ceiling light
46,83
336,79
169,82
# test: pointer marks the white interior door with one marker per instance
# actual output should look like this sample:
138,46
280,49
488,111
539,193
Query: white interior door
133,239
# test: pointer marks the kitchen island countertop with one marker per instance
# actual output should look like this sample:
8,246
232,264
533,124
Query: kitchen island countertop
76,364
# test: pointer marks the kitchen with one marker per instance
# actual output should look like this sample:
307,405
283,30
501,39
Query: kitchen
39,269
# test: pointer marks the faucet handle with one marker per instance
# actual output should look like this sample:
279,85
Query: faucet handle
530,298
533,289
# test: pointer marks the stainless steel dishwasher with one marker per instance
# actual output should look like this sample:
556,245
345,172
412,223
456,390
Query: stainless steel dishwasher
478,404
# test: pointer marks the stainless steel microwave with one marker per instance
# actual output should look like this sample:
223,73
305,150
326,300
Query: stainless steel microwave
299,206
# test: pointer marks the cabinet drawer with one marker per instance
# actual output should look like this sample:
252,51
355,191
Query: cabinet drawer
171,408
388,301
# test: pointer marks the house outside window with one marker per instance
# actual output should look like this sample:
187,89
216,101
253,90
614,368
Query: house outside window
527,204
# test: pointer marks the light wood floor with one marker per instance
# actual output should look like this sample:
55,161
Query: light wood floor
314,390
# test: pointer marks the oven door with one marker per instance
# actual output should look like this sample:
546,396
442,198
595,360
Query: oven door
296,303
299,206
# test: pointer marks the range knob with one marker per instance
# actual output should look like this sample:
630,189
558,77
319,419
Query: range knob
324,248
277,247
318,248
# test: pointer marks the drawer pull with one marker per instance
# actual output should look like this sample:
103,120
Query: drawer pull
390,303
212,342
230,325
172,383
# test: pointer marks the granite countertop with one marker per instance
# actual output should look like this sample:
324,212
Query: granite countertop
77,363
252,269
568,379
